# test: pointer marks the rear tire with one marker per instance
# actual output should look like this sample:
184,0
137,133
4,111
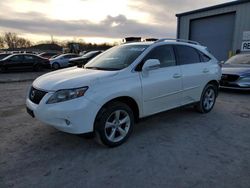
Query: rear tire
114,124
208,99
55,66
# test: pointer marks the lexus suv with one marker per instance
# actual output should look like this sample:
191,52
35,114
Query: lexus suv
124,84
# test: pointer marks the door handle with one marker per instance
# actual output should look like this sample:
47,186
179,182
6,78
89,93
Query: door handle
205,70
176,75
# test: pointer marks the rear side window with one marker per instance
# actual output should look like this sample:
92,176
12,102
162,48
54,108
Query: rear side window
187,55
165,54
204,57
28,57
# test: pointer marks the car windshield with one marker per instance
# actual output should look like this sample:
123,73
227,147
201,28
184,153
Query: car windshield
239,59
8,57
116,58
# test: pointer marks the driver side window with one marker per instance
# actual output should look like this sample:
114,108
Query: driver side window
164,53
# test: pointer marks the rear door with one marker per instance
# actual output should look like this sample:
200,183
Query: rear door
29,60
195,69
162,87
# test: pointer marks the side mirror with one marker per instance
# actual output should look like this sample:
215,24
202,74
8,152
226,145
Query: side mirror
151,64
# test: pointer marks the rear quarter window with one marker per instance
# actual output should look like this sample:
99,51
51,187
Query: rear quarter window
204,57
187,55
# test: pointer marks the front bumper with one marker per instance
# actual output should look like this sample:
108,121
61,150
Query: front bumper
241,83
75,116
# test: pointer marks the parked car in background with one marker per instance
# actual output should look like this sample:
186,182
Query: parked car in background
48,55
236,72
123,84
4,55
61,61
80,61
24,61
54,56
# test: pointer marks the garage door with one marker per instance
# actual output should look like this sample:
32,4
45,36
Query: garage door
214,32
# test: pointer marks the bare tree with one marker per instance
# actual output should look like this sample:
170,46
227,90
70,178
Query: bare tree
10,39
1,42
13,41
23,43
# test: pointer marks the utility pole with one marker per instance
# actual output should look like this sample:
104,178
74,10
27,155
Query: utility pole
52,39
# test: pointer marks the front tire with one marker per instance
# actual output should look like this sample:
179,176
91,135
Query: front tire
114,124
208,99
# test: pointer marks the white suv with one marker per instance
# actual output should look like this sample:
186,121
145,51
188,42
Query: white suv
124,84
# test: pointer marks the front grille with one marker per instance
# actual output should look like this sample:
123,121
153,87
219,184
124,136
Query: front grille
229,77
36,95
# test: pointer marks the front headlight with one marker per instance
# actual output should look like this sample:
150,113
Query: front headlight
67,94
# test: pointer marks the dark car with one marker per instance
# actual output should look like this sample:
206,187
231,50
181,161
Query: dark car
4,55
236,72
80,61
48,55
17,61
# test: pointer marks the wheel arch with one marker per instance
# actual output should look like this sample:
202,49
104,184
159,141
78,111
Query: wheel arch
126,100
216,84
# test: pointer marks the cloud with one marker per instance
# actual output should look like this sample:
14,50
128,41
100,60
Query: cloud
161,13
112,26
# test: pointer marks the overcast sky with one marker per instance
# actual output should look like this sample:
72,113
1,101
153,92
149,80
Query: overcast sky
94,20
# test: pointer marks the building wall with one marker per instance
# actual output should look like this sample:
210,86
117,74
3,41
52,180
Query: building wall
242,22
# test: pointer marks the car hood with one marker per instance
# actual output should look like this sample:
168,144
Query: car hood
235,69
71,78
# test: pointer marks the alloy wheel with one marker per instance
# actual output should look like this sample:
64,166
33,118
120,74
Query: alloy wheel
117,126
209,99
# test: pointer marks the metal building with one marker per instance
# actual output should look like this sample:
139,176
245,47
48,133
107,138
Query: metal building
223,28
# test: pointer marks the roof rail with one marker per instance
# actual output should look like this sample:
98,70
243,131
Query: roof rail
177,40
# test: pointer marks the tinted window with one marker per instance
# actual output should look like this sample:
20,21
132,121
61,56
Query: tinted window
187,55
28,57
204,57
66,56
164,54
16,58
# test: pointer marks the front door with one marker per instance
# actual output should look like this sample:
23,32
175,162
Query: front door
161,87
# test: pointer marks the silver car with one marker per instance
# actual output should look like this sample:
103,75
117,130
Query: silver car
61,60
236,72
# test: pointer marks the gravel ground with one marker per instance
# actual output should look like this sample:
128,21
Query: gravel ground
179,148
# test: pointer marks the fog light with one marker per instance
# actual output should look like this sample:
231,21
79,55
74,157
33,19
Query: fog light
67,122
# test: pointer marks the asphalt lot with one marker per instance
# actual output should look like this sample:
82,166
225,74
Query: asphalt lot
179,148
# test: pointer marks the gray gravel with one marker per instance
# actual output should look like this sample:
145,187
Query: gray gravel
179,148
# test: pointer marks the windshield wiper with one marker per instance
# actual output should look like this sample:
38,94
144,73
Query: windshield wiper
102,68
